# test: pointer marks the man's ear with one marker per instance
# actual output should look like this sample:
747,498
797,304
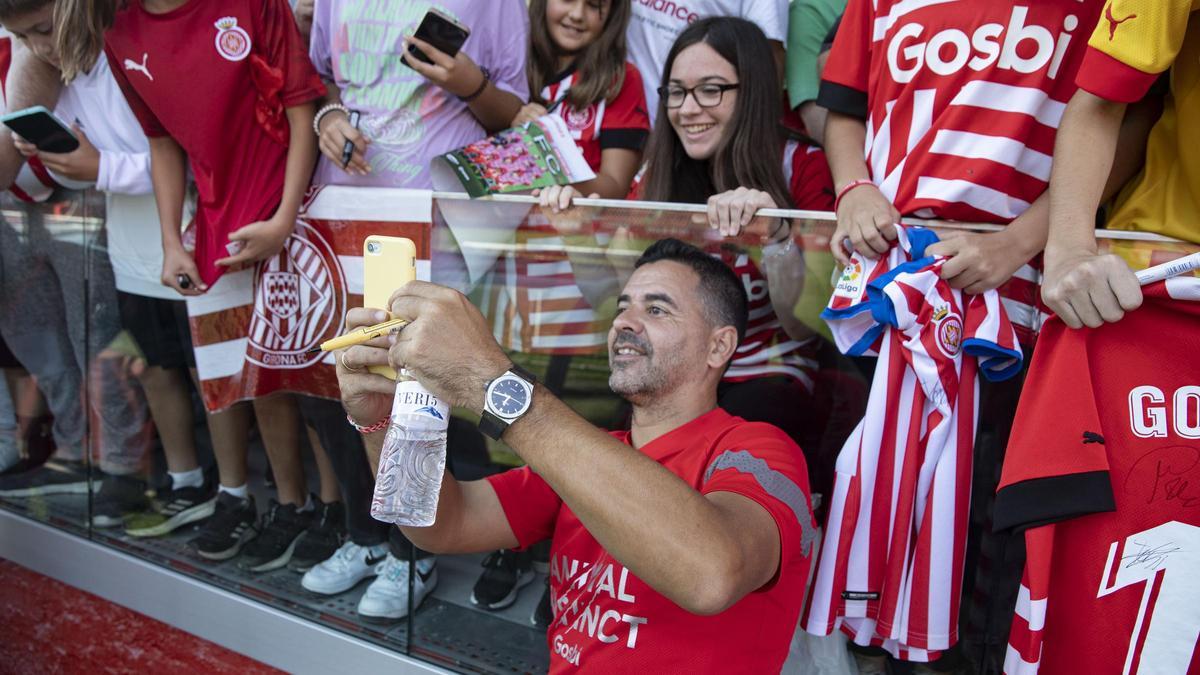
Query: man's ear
722,344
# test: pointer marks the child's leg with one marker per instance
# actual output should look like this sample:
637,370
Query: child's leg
279,425
171,408
330,493
230,430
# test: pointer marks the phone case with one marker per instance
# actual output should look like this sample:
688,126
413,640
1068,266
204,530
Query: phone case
441,31
388,264
42,128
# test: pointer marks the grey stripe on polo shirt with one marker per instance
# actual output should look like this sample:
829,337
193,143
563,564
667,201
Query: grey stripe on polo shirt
775,484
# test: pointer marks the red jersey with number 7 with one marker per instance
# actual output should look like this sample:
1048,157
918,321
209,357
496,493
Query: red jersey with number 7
1104,466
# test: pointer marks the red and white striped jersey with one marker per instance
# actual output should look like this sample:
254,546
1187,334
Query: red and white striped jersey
1104,466
767,349
535,304
890,568
962,101
622,123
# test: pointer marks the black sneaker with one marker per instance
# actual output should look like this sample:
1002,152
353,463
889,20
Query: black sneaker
56,477
323,537
119,497
175,509
231,526
543,614
505,573
280,530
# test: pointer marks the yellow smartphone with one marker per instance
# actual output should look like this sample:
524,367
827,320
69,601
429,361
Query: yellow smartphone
388,264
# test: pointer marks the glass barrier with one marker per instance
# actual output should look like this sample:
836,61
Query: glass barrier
104,382
58,314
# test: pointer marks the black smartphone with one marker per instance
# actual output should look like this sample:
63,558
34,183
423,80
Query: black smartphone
42,128
441,31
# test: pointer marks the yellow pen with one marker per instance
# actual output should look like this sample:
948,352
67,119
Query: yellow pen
359,336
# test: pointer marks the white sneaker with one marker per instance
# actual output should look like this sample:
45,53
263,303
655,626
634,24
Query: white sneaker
386,598
349,565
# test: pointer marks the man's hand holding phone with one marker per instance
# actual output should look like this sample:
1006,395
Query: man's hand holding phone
82,164
336,129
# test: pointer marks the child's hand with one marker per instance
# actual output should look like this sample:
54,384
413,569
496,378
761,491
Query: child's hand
24,147
456,74
528,113
178,263
259,241
335,131
82,163
556,198
868,220
978,261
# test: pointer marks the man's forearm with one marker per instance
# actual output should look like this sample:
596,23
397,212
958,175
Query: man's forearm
301,158
1083,158
642,514
845,137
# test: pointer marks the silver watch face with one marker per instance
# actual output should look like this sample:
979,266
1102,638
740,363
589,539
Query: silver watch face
508,396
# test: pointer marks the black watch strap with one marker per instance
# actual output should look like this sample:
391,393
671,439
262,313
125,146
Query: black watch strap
492,426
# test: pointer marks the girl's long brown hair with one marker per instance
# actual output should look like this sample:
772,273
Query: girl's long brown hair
79,27
750,154
600,67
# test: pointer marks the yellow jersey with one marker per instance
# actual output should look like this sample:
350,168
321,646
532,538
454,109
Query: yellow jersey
1133,43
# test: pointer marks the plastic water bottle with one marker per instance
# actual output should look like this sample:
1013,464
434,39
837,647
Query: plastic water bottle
413,458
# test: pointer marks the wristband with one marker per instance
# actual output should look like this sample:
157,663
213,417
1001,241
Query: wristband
325,111
378,426
478,90
847,188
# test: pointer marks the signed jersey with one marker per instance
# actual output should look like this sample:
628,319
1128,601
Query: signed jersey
1104,466
890,568
607,620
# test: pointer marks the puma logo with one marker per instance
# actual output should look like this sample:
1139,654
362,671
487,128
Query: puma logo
130,64
1113,22
1092,437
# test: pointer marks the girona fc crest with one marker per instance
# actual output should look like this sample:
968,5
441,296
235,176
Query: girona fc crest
233,43
948,331
282,293
299,301
579,120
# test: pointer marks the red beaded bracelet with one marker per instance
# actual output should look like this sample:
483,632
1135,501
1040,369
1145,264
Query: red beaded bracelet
847,188
378,426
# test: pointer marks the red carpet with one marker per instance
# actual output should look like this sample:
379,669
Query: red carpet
50,627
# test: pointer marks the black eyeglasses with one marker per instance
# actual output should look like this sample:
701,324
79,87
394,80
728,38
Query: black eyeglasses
706,95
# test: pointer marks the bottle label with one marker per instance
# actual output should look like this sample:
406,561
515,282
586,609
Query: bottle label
416,406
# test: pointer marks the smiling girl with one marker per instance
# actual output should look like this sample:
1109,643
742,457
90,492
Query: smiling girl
577,66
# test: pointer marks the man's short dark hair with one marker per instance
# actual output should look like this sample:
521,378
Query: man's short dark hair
723,295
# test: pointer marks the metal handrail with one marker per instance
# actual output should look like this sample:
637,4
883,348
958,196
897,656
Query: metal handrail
800,214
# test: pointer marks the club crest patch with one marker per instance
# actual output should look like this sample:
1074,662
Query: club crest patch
233,42
300,299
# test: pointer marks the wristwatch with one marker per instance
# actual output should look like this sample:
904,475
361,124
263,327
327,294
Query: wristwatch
508,397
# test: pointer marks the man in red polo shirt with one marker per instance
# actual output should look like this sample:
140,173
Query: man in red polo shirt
683,544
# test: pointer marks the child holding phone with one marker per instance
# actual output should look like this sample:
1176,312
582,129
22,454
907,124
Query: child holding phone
577,66
412,110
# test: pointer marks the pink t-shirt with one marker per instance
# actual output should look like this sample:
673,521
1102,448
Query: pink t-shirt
357,45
